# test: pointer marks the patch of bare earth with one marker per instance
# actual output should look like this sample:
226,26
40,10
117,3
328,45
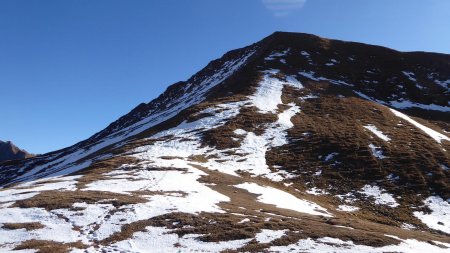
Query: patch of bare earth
25,225
98,170
44,246
51,200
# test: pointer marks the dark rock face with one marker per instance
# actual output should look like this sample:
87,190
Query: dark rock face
9,151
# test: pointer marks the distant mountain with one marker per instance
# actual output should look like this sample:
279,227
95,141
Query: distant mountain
9,151
293,144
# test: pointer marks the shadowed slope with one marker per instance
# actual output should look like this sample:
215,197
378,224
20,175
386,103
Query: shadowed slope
9,151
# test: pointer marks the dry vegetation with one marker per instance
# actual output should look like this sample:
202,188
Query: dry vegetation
43,246
26,225
51,200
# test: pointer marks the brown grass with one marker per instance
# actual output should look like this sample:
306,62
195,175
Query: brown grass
127,231
51,200
26,225
97,170
43,246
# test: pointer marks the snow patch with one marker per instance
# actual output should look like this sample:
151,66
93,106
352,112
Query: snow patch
330,157
254,147
316,191
407,226
283,199
311,75
445,84
347,208
444,167
268,235
381,198
277,55
404,104
439,218
309,96
240,131
376,151
268,94
410,75
438,137
244,220
377,132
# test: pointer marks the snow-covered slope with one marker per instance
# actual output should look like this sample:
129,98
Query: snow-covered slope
295,143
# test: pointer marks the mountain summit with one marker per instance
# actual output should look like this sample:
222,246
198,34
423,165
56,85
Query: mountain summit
9,151
293,144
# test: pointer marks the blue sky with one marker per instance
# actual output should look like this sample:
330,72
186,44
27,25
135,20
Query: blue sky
68,68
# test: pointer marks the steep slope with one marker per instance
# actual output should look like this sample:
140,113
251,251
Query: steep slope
295,143
174,100
9,151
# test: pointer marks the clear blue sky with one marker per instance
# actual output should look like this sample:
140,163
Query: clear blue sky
70,67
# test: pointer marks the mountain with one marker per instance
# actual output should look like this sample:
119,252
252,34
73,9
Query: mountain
9,151
293,144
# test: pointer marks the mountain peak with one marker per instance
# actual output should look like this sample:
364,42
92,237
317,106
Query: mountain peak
9,151
287,35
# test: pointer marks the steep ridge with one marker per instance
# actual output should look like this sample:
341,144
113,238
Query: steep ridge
176,98
9,151
295,143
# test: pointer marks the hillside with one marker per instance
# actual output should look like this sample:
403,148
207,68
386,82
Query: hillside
293,144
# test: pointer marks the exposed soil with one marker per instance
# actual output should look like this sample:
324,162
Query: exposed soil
26,225
43,246
51,200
